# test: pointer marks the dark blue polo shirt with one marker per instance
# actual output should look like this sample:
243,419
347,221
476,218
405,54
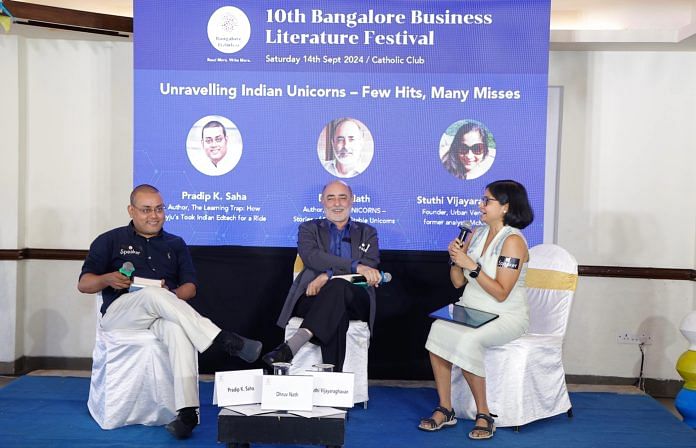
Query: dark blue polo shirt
164,256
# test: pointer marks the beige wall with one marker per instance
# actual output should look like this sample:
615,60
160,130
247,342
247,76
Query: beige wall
626,198
66,144
625,191
9,196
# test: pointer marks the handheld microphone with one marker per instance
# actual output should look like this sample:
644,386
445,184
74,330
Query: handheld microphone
127,269
360,280
464,231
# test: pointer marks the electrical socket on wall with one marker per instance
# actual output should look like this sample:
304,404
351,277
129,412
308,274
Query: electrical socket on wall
627,337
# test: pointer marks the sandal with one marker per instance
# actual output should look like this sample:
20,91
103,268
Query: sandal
430,424
489,429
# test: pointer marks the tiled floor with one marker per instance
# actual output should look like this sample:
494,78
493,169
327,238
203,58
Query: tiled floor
666,402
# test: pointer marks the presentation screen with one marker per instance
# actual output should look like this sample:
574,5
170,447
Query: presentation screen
244,110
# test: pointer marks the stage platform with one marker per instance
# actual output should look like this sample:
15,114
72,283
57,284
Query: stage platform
52,411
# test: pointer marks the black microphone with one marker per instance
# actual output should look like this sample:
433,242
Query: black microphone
360,280
464,231
127,269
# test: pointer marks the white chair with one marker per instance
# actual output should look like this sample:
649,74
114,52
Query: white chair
132,381
357,345
525,379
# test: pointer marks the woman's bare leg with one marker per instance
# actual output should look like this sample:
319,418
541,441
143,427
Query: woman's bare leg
442,372
477,384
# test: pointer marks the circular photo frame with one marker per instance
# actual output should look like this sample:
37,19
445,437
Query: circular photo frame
345,147
214,145
467,149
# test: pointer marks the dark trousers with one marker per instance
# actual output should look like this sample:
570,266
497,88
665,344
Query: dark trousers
327,316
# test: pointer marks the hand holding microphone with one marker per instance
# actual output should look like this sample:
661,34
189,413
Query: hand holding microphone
370,276
357,279
120,279
127,269
456,245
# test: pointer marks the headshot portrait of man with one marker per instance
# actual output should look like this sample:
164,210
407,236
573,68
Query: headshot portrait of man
214,141
214,145
345,147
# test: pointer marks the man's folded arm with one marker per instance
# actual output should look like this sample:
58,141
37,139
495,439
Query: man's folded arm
186,291
95,274
90,283
186,272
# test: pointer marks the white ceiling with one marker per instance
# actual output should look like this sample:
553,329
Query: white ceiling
574,23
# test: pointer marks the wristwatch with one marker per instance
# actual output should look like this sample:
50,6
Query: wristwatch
475,272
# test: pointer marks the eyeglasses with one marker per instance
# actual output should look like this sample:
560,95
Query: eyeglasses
485,200
476,149
147,210
218,139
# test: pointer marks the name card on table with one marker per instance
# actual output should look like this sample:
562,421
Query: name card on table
287,392
237,387
333,389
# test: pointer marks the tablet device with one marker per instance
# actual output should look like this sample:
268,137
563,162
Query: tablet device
463,315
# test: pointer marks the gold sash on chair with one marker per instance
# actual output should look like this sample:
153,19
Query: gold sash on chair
546,279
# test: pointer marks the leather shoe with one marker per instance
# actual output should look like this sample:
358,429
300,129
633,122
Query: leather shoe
182,426
282,353
236,345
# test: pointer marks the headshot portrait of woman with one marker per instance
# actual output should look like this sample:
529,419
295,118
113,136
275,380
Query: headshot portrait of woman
470,152
492,264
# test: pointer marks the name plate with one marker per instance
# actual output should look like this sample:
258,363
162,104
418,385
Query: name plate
237,387
333,389
287,392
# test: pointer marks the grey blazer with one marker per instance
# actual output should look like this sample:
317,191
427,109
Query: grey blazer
313,246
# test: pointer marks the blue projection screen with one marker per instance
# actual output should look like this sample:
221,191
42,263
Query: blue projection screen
245,109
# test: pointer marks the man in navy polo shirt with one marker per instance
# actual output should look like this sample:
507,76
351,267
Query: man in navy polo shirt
156,254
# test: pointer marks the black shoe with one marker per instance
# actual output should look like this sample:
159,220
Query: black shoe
236,345
182,426
282,353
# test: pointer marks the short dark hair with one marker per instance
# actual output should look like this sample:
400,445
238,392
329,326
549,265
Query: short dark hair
519,213
214,124
142,188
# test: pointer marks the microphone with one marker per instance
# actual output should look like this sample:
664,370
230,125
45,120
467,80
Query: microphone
464,231
360,280
127,269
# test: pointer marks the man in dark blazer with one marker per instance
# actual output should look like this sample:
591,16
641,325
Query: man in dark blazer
330,247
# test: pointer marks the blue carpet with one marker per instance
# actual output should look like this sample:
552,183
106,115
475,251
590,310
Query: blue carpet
52,411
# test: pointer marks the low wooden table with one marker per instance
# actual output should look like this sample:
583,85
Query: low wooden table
240,431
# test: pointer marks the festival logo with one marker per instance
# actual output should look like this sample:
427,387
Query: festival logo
229,29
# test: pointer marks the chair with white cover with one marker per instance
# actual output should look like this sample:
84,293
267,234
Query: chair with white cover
132,381
357,345
525,379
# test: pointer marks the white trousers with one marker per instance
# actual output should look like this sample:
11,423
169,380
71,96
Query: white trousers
176,324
